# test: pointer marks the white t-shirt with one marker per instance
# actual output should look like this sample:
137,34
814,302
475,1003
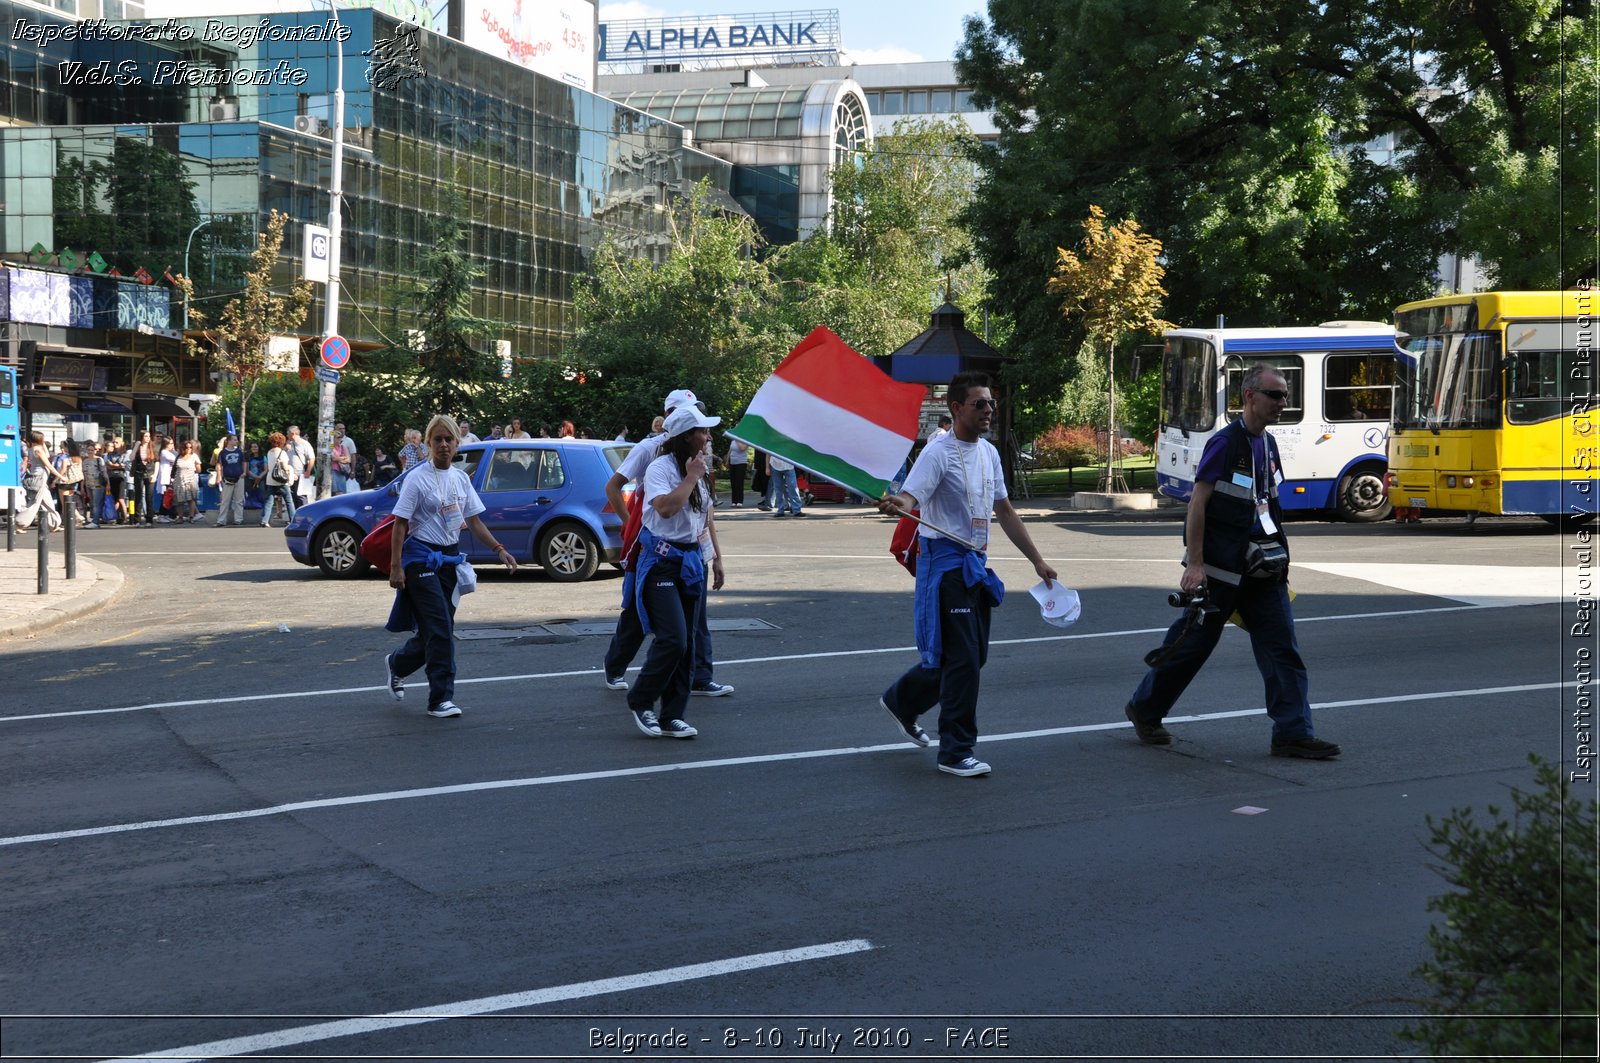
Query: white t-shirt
738,453
777,464
956,485
684,526
437,502
640,457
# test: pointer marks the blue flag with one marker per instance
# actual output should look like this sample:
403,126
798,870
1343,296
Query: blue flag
231,430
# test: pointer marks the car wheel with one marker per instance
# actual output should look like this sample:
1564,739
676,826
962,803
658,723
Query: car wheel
568,553
1362,496
337,550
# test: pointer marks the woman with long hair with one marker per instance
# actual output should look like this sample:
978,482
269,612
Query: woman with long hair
69,482
186,483
424,561
669,583
142,458
37,499
279,479
166,459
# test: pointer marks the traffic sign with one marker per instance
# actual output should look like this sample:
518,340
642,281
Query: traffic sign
318,250
335,352
327,376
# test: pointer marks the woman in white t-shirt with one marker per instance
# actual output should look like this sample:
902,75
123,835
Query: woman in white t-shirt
435,502
166,458
186,483
674,544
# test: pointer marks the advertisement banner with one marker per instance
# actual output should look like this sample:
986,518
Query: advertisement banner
552,37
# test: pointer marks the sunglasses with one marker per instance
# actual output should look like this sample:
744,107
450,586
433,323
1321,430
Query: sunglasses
1272,393
982,404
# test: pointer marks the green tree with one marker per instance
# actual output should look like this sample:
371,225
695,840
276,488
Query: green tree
1237,134
239,338
893,243
703,318
442,358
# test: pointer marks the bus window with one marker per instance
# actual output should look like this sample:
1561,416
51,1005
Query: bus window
1291,366
1549,384
1357,386
1188,385
1455,383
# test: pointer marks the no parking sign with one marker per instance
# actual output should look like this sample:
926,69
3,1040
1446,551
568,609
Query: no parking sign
335,352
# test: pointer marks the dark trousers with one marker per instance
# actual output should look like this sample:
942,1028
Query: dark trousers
432,643
964,633
629,636
670,663
1264,607
736,482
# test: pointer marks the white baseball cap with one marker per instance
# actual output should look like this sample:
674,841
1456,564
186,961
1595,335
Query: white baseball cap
681,397
687,419
1058,603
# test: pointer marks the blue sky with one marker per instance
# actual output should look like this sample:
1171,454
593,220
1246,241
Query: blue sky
875,31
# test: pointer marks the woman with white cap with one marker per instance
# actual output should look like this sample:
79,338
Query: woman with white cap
668,583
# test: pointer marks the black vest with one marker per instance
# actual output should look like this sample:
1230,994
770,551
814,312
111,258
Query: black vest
1231,512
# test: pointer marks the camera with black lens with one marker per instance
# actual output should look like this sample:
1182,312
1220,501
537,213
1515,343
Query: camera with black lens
1195,599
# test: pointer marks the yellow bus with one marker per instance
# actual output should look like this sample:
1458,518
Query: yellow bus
1495,405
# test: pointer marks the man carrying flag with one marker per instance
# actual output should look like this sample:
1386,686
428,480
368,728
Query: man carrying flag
958,484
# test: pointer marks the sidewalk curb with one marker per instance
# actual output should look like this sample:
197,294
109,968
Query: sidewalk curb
107,584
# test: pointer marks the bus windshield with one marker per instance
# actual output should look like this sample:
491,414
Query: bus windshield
1450,381
1189,384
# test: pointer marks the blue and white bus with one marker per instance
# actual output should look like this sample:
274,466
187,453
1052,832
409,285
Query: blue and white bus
1335,430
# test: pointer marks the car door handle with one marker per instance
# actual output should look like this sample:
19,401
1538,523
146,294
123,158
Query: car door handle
543,501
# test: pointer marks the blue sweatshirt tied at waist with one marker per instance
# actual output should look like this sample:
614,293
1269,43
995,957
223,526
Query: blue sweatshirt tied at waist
653,550
416,551
939,556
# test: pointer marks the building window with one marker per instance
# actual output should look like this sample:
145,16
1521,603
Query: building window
941,101
916,103
964,101
893,103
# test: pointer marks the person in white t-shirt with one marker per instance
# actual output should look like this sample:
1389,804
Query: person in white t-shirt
435,502
958,485
669,582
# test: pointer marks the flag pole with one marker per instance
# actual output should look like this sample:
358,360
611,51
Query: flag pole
934,527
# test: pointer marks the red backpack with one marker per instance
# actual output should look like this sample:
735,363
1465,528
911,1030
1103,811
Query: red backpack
905,544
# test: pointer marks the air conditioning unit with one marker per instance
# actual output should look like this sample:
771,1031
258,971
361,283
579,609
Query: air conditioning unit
306,123
224,110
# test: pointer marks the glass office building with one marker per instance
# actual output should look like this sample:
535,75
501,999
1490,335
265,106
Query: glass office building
219,121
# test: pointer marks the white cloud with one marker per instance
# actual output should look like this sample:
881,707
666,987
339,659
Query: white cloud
872,56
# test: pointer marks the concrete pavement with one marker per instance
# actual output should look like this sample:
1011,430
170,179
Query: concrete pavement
24,612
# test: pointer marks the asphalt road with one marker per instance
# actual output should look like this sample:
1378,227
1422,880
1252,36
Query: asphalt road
219,831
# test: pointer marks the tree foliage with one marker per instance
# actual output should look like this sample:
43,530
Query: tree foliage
1236,134
240,335
1514,963
893,242
703,318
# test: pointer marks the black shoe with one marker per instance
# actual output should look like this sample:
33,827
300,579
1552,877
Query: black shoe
910,730
1151,734
1306,749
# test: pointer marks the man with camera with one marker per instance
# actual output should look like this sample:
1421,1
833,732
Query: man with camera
1237,560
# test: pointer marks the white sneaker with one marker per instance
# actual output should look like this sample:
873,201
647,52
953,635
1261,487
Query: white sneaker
444,710
616,682
966,768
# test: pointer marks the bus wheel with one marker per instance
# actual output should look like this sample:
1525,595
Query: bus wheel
1567,521
1362,497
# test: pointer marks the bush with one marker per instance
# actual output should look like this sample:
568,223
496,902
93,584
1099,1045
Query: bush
1514,963
1067,448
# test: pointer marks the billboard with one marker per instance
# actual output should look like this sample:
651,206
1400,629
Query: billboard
715,41
552,37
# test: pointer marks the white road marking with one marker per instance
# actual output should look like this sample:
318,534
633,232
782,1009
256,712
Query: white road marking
1486,585
323,1031
777,658
699,765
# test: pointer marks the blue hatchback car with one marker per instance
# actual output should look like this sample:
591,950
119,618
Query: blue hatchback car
545,499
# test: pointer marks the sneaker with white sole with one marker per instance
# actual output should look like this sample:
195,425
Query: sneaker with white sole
444,710
966,767
397,686
616,682
677,729
647,721
712,690
910,730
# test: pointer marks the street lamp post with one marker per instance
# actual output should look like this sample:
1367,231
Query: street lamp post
327,391
187,244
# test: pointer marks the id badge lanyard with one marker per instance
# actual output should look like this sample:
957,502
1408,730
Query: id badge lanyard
979,516
1263,485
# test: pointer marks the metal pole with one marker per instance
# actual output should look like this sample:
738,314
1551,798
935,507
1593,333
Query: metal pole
326,391
69,531
186,245
43,524
11,520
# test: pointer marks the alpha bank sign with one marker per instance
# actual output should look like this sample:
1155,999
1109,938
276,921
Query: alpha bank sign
727,37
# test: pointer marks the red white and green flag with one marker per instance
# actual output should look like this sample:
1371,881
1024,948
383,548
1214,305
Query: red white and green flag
834,414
